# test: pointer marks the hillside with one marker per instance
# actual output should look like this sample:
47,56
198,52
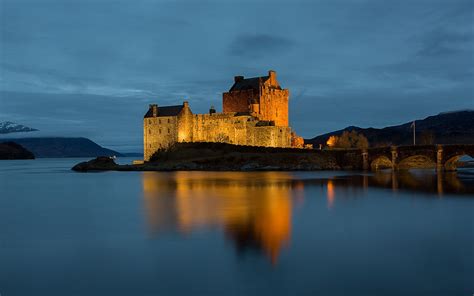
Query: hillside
11,150
8,127
63,147
444,128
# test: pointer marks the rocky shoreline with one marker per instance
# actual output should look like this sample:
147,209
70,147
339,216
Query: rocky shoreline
225,157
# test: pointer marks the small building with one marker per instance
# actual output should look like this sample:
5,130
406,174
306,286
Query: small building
255,113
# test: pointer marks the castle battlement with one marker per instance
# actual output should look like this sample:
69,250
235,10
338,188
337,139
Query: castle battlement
255,113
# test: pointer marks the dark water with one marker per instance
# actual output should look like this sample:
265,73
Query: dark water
209,233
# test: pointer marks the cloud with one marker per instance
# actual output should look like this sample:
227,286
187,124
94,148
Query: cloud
258,45
441,42
343,60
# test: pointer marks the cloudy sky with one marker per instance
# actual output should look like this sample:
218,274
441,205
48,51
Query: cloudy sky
91,67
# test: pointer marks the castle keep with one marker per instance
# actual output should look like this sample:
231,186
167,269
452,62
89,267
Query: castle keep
255,113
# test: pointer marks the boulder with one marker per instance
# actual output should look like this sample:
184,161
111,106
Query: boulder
101,163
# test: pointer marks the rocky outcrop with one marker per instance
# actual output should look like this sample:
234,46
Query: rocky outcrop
101,163
224,157
12,150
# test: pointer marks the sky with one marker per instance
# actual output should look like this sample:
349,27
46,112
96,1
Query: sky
90,67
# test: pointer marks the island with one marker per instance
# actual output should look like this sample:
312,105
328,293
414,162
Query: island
208,156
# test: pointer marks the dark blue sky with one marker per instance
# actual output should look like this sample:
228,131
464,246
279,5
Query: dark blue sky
90,67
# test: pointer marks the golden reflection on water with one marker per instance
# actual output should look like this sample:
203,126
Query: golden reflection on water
253,209
330,193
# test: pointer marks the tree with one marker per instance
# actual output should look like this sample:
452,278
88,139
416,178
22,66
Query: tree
427,137
347,140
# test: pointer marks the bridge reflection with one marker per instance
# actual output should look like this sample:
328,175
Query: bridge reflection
253,209
459,183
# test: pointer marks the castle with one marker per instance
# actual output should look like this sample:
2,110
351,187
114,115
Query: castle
255,113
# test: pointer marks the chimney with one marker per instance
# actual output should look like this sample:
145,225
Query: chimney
154,108
212,110
272,75
185,104
238,78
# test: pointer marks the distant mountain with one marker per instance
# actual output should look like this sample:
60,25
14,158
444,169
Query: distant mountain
8,127
63,147
132,154
445,128
11,150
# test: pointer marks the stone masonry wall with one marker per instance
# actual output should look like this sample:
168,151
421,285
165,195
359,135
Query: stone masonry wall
274,105
158,133
162,132
238,101
239,130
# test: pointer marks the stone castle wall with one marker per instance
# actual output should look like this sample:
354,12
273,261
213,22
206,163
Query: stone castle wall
238,130
159,133
162,132
271,101
274,105
238,101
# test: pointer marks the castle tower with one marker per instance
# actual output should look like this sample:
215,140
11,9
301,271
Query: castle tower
260,96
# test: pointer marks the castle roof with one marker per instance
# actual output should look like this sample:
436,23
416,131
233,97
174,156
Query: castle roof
249,83
165,111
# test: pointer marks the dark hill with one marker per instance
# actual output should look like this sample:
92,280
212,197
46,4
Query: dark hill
11,150
63,147
444,128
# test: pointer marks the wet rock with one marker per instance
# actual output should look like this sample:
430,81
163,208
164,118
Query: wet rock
101,163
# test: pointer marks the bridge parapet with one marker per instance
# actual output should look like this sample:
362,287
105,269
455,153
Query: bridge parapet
441,157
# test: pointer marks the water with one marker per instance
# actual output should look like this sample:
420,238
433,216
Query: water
219,233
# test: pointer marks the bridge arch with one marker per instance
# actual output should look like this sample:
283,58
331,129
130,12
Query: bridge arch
451,164
452,153
417,162
380,163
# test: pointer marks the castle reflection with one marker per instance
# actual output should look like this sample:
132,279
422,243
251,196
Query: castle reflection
253,209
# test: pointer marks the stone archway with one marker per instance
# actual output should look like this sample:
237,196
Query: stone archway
416,162
451,164
380,163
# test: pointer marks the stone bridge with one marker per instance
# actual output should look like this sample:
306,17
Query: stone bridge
441,157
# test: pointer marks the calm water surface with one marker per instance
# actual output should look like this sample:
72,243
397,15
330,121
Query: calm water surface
226,233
